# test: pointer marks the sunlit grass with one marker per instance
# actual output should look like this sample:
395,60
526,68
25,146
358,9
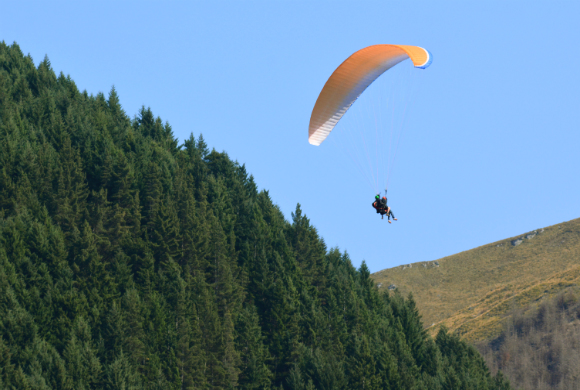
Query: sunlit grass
472,292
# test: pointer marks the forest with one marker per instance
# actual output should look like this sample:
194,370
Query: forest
131,261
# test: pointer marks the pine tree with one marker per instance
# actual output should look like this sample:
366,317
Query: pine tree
254,372
121,375
82,362
134,334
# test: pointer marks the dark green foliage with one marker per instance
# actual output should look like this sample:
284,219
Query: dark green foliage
127,262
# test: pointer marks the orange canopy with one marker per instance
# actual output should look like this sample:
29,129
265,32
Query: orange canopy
351,78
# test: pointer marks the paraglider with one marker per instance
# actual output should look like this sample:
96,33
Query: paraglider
380,205
347,83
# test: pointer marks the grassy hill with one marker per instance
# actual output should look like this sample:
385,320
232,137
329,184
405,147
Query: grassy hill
471,292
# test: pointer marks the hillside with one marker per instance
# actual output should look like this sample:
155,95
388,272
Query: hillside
128,261
539,347
470,292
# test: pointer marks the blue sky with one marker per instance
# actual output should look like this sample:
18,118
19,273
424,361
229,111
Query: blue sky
491,148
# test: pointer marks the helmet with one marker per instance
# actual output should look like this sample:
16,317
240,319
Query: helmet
377,197
384,197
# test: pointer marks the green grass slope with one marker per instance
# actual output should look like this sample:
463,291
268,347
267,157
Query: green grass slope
471,292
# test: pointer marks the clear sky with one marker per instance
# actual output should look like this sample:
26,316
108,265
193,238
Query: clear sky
491,148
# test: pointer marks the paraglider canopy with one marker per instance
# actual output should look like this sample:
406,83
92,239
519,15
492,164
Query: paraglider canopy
351,78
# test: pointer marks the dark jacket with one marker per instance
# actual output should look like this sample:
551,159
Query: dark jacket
384,203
